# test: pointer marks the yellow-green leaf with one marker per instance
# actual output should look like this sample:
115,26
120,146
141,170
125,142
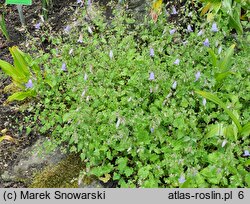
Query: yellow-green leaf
19,96
106,178
6,137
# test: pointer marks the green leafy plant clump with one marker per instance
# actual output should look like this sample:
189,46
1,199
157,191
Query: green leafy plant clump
126,98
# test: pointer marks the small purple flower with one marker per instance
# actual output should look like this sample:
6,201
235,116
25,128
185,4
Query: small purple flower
201,32
79,2
197,76
174,85
172,31
177,62
189,28
67,29
182,179
152,130
111,54
89,2
206,42
246,153
152,52
64,68
204,102
151,76
37,26
29,84
174,12
214,28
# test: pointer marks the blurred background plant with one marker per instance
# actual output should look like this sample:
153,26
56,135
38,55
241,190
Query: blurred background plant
46,6
3,27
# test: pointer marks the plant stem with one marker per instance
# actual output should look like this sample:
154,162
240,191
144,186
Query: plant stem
20,12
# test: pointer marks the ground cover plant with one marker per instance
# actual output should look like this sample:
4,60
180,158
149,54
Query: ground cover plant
151,103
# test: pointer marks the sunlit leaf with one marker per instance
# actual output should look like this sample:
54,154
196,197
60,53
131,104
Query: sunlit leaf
226,61
216,100
106,178
215,130
19,96
7,137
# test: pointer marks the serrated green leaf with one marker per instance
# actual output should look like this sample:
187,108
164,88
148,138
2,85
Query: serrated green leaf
128,171
122,163
66,117
116,176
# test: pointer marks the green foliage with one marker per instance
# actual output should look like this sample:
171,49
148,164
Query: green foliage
3,28
231,9
133,115
216,100
22,70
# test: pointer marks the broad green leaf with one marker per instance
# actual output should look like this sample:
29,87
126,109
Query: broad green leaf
187,183
234,20
216,100
224,64
216,6
213,57
122,163
8,69
19,96
227,6
247,163
32,64
245,130
215,130
19,63
247,179
220,76
229,133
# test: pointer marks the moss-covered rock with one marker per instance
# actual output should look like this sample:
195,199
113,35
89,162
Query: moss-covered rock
63,175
